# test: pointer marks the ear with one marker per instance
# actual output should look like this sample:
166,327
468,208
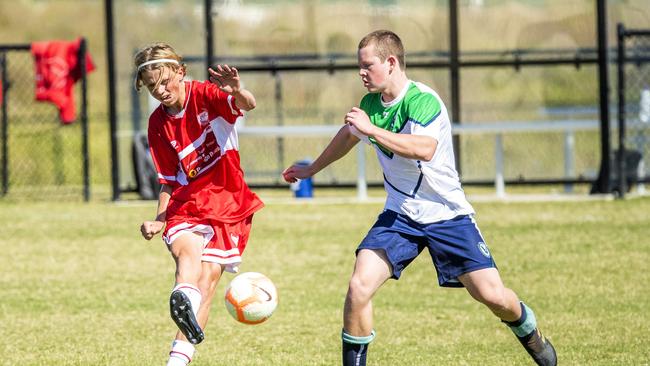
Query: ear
392,62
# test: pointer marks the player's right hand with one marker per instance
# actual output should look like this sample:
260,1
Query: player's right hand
149,229
295,172
357,119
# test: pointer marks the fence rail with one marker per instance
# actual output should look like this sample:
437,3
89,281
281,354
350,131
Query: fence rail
498,129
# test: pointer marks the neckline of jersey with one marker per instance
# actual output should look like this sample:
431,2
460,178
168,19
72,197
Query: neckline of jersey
397,99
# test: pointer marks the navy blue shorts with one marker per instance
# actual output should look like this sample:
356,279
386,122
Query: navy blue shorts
456,246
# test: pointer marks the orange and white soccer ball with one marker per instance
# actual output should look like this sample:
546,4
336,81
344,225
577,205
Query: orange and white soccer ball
251,298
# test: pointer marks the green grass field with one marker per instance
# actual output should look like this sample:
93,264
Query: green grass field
80,287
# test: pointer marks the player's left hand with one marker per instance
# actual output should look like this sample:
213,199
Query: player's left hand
226,77
358,119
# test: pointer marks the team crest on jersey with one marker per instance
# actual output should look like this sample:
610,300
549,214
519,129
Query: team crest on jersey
484,249
203,118
174,143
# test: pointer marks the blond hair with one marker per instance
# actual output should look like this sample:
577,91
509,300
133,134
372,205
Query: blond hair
386,44
145,60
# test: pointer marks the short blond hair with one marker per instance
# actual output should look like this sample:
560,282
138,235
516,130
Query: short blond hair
152,52
386,43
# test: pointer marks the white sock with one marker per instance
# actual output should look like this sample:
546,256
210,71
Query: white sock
192,293
181,354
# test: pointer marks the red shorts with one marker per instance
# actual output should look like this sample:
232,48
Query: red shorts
223,243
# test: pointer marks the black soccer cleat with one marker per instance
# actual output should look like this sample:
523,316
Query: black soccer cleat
180,309
539,348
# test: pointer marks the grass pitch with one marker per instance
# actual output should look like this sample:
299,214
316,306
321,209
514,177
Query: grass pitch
80,287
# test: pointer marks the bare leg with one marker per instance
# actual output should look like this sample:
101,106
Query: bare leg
485,286
186,251
185,300
207,284
371,270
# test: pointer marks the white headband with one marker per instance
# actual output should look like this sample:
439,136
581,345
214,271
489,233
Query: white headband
160,60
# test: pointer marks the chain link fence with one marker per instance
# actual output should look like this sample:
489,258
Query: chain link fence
295,93
634,109
41,158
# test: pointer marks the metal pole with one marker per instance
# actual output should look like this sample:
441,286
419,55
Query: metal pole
5,127
603,183
280,120
569,152
454,74
620,67
209,48
362,185
84,119
499,182
112,100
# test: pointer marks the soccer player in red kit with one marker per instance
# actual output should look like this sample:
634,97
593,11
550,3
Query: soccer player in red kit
205,207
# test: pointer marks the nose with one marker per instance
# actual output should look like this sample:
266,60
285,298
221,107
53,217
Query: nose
161,89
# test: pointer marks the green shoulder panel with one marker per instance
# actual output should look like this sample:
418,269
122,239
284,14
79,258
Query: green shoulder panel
423,107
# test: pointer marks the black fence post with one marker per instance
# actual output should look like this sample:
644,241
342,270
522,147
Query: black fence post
620,68
112,100
209,47
5,127
84,119
603,183
454,73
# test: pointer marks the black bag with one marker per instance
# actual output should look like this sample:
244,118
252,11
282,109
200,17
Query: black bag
145,172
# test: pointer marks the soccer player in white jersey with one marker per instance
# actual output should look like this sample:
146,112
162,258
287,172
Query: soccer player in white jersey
407,124
204,206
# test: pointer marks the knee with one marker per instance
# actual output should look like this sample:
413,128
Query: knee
493,297
358,290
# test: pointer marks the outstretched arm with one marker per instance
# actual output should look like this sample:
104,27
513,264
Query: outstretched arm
405,145
340,145
227,78
150,228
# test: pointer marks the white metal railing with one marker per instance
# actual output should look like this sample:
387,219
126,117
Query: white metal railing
569,127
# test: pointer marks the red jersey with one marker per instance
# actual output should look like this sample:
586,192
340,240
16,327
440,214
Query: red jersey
196,152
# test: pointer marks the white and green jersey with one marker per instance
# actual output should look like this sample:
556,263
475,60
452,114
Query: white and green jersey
426,191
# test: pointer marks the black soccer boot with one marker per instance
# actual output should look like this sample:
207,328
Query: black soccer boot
181,312
539,348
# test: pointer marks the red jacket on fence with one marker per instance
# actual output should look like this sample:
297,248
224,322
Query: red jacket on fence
57,70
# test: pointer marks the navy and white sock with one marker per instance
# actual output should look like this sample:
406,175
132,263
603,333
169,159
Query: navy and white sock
355,349
526,324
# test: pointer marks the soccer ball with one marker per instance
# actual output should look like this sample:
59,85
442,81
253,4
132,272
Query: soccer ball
251,298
